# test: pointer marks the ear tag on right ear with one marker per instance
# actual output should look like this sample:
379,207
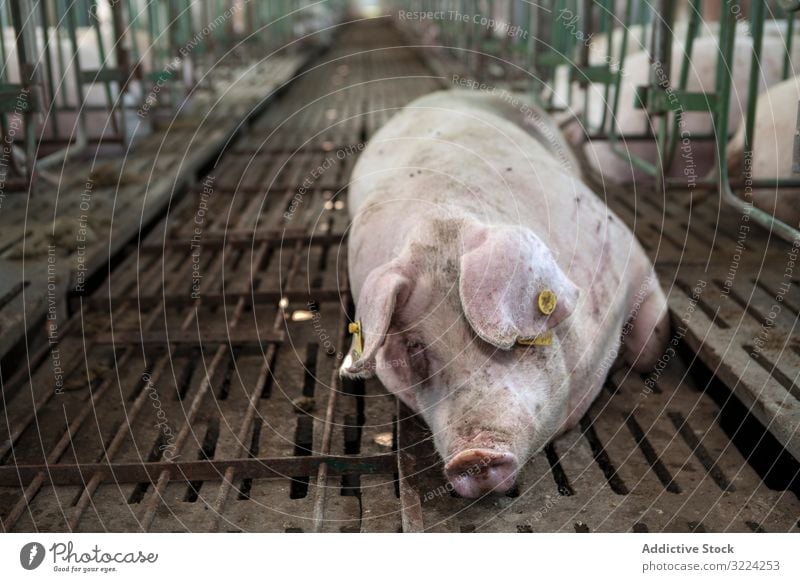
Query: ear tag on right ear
358,343
545,339
547,302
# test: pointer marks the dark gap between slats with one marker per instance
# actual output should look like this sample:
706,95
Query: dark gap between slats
352,432
207,450
650,454
185,380
303,442
763,452
247,484
225,385
755,527
266,391
700,452
601,456
559,476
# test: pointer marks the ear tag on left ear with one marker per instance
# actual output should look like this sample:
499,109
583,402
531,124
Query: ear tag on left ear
358,343
547,301
544,339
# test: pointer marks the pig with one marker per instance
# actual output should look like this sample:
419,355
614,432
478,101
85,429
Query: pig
472,238
702,73
773,141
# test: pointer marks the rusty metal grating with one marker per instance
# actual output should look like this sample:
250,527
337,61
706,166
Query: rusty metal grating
200,390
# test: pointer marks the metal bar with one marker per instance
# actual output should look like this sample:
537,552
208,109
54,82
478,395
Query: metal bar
22,14
254,338
728,31
147,301
663,56
51,92
757,33
787,59
239,237
203,470
101,53
695,8
583,57
410,504
322,473
606,8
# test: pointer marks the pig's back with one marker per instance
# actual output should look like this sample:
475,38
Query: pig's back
449,139
449,154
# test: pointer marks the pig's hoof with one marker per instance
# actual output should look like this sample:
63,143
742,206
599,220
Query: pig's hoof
475,472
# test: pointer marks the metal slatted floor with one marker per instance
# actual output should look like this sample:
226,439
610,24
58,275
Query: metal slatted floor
199,388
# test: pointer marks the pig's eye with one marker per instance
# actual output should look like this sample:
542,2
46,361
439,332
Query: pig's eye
415,348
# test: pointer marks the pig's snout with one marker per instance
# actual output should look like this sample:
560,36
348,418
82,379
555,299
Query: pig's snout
475,472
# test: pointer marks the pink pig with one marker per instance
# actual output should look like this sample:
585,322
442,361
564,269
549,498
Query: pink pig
473,234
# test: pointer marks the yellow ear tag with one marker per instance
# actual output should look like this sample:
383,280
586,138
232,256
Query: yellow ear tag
547,302
544,339
358,344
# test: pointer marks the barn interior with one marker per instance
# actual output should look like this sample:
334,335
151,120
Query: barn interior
174,298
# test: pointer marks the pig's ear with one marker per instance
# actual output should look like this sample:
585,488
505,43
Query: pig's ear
384,291
504,269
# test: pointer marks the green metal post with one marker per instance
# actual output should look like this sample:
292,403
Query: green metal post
727,32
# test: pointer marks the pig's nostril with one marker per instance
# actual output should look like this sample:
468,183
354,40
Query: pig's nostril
477,471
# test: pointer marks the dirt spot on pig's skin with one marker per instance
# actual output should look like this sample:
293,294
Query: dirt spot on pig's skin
446,232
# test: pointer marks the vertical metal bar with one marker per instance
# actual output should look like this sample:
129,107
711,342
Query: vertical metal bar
613,135
410,504
606,6
51,87
133,26
787,59
22,15
696,8
104,64
3,23
325,448
123,62
757,32
727,32
62,61
583,57
72,25
662,82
